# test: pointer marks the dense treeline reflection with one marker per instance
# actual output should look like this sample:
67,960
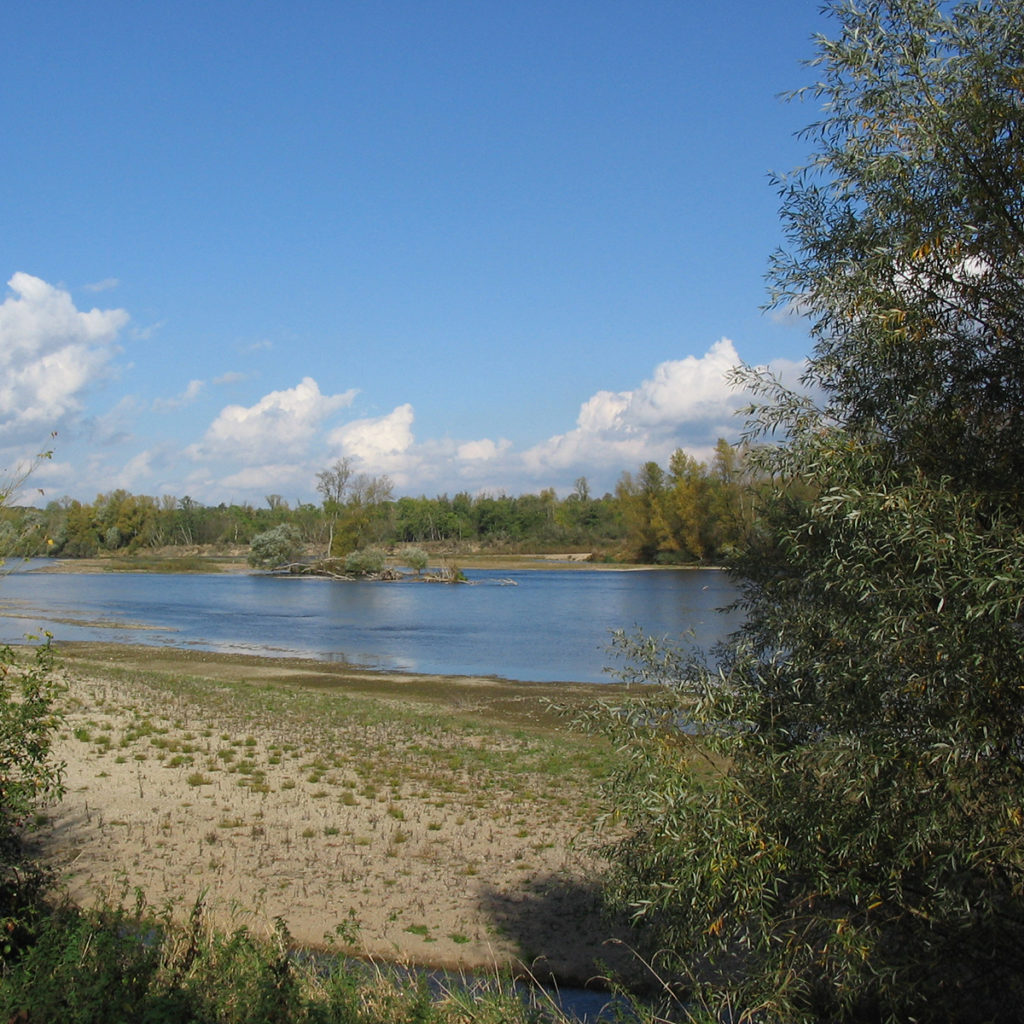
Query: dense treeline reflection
687,512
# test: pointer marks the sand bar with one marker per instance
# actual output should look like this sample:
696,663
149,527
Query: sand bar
451,818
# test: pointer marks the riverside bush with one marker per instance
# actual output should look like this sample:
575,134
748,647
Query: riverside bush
28,779
276,547
364,562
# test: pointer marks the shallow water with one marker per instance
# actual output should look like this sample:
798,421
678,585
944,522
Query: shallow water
549,626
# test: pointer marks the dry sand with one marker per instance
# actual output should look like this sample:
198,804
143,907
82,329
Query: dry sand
450,819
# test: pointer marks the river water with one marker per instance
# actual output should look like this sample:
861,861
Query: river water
533,625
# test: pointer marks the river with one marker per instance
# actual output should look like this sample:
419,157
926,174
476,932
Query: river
531,625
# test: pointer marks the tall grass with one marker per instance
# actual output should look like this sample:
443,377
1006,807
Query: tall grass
116,963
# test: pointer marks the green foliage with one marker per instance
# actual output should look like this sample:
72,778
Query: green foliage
280,546
907,233
416,558
357,508
28,778
364,562
839,835
690,514
366,514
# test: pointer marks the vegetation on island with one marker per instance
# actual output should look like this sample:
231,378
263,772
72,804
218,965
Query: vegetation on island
842,836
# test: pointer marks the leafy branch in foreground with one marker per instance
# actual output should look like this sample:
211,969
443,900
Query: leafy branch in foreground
29,777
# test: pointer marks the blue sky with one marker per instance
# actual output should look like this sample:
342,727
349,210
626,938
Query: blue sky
473,245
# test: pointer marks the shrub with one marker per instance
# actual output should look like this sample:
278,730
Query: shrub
364,561
28,778
277,547
416,559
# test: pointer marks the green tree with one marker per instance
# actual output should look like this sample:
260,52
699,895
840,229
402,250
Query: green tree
29,777
687,507
640,501
81,536
843,836
364,561
364,519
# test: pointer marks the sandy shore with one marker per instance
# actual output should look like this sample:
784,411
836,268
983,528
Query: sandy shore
449,818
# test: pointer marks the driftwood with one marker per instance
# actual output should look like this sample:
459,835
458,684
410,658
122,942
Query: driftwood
326,570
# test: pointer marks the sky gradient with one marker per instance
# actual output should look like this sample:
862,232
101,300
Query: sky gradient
475,246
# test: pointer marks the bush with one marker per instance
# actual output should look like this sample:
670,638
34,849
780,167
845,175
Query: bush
112,964
416,558
277,547
364,561
28,778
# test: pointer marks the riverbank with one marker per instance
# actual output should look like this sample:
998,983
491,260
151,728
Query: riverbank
450,818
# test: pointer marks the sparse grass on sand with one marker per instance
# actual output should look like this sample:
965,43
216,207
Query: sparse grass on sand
449,817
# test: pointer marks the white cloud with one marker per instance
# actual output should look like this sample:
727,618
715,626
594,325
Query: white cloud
694,388
272,478
484,450
382,443
186,397
145,333
50,353
281,424
135,473
686,403
117,424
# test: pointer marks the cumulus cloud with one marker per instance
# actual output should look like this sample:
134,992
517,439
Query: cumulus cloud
382,443
279,425
50,354
686,403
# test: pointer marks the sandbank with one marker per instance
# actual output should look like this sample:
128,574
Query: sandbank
450,818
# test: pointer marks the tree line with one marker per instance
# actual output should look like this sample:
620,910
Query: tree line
685,512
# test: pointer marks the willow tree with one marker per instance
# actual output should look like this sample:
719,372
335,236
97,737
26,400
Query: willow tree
843,836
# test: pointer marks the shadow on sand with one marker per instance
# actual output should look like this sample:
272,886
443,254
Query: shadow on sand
565,937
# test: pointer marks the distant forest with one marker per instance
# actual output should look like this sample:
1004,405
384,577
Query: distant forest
687,512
